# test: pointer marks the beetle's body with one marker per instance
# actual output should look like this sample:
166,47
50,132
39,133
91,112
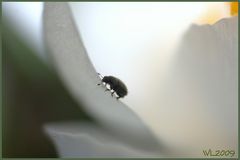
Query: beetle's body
116,85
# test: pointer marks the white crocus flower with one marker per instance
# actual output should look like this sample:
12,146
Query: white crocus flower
208,53
81,78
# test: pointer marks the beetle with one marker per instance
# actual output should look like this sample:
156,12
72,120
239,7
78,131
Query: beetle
116,85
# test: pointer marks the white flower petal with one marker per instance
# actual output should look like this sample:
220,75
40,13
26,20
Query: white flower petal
79,75
78,139
201,92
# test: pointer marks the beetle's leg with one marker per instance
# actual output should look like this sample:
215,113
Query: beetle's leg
118,97
107,89
112,93
100,83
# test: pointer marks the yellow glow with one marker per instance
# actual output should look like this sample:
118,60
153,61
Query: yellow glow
215,11
234,8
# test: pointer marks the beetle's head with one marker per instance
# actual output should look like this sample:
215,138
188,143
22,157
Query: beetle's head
106,79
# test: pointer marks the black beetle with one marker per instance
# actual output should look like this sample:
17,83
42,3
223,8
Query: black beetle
116,85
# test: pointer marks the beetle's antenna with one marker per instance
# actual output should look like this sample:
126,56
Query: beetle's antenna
100,76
